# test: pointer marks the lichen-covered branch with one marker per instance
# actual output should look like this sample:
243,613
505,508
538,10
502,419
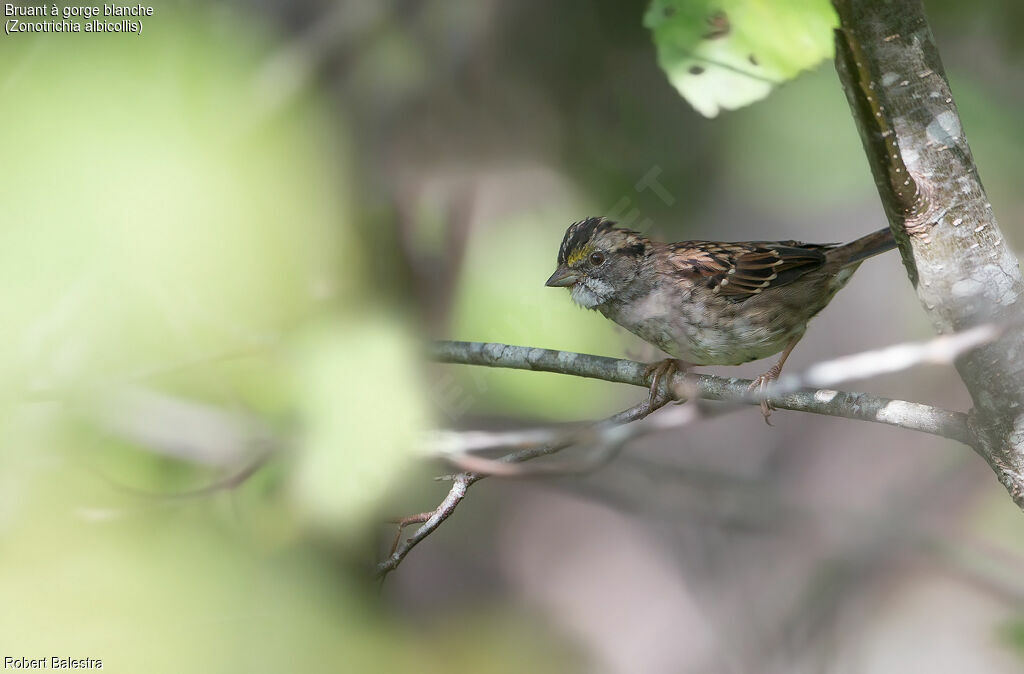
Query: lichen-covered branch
901,413
964,272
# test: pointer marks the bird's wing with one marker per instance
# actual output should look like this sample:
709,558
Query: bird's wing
740,270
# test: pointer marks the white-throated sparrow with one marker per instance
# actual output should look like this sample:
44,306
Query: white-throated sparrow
707,302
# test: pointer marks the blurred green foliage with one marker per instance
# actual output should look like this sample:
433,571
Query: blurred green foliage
363,410
171,220
792,161
1011,633
152,216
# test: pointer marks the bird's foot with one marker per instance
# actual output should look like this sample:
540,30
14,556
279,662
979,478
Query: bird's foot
760,384
663,370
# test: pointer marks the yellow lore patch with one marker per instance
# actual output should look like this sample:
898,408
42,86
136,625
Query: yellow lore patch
578,255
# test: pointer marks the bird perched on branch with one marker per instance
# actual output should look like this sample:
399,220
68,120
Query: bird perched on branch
707,302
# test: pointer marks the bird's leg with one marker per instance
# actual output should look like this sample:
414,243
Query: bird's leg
663,370
761,383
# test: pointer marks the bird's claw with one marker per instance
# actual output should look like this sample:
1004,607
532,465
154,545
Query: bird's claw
759,385
663,370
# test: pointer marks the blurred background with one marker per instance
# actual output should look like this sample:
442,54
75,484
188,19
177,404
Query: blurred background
223,243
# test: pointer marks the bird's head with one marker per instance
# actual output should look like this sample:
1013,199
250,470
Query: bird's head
597,261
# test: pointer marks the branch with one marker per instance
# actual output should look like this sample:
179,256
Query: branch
611,434
956,257
461,482
784,394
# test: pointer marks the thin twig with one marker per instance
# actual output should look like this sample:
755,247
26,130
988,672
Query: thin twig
462,481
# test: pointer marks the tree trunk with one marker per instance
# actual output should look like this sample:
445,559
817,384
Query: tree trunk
955,255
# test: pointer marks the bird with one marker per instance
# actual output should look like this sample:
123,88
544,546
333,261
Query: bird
707,302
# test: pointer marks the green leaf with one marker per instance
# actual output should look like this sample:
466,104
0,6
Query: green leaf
725,54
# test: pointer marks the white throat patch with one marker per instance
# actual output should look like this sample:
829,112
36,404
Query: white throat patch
590,292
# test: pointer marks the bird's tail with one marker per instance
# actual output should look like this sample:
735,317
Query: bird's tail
863,248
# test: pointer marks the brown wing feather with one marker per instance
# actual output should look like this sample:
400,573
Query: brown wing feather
740,270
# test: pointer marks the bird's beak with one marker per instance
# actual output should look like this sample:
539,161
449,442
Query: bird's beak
562,278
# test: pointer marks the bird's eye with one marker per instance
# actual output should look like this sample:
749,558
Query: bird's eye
596,259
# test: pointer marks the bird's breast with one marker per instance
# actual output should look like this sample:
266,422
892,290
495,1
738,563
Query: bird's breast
705,331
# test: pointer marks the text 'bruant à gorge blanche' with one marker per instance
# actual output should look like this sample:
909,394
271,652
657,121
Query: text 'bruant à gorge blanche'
74,18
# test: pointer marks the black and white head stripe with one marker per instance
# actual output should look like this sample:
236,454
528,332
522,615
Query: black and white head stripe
579,234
